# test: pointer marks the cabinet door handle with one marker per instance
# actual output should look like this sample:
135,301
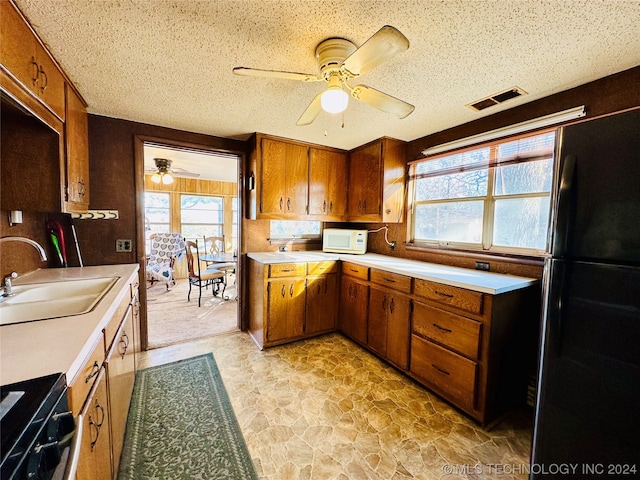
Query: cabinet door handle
392,306
46,80
331,206
283,291
364,206
438,369
384,303
124,340
95,370
324,206
288,204
291,290
359,206
350,291
281,203
442,328
36,71
442,294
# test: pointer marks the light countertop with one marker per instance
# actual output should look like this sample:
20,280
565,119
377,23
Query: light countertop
34,349
477,280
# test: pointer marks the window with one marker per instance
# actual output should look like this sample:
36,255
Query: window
495,197
201,216
157,215
287,229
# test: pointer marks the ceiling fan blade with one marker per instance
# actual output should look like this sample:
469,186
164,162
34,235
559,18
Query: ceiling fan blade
382,46
382,101
254,72
312,111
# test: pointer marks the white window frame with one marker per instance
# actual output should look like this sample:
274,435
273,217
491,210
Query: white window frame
220,225
489,203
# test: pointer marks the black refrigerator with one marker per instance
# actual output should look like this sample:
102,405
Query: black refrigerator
587,414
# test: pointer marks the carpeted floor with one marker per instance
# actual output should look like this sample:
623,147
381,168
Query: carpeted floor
171,319
181,426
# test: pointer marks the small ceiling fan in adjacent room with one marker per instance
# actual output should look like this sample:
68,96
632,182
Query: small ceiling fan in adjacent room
339,62
163,173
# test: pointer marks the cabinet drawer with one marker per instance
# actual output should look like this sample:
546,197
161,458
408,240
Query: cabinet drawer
454,331
396,281
450,373
461,298
354,270
319,268
287,269
84,380
113,325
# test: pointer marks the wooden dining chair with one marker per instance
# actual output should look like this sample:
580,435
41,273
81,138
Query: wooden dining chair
203,278
216,246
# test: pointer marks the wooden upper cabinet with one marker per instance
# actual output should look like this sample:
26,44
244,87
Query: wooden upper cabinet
27,61
284,178
327,184
76,154
376,181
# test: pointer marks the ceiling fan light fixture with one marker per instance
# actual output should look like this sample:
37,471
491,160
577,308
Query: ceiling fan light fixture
334,99
163,174
167,179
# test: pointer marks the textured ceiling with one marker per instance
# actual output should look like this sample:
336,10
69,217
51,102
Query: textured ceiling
170,63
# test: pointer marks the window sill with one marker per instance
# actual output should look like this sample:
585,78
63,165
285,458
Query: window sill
295,241
536,260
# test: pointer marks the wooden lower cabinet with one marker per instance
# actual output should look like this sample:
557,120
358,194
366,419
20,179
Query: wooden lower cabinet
291,301
389,325
120,367
286,301
95,450
354,309
100,393
321,305
473,348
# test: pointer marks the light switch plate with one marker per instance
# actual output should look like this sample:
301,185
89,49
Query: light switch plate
123,245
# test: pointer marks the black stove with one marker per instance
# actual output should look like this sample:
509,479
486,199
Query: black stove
36,427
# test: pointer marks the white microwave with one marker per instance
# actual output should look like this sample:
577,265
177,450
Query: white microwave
342,240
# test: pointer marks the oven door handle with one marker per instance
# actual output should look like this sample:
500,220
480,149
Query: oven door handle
74,455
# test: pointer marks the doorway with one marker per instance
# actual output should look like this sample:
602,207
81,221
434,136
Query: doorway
201,199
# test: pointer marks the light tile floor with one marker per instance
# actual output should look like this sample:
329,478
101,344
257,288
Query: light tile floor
325,409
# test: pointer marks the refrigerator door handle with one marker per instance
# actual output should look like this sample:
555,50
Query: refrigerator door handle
563,211
554,294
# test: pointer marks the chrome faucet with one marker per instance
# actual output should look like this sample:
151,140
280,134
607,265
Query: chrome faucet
34,244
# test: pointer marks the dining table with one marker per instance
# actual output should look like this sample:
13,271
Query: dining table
212,258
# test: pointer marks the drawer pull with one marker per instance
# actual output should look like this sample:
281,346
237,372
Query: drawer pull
390,280
444,372
442,328
442,294
95,370
354,270
287,270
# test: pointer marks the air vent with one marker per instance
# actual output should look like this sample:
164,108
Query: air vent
497,98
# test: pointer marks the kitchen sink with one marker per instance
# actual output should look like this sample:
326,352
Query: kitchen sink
41,301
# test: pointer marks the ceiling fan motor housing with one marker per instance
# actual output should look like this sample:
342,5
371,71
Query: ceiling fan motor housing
330,54
162,164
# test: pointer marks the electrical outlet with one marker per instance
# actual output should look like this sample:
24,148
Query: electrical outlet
482,266
283,248
393,245
123,245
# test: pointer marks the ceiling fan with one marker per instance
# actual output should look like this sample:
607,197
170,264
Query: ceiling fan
163,173
340,61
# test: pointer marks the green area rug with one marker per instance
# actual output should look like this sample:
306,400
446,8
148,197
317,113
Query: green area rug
181,426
